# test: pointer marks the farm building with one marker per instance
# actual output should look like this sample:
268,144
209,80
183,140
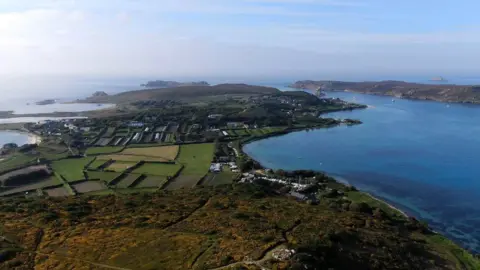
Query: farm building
216,167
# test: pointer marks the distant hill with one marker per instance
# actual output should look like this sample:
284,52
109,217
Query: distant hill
46,102
99,94
160,83
182,93
401,89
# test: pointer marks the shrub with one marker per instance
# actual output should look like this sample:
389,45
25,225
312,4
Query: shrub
227,259
268,238
360,207
240,215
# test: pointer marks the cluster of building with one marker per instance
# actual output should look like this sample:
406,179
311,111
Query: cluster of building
250,178
218,167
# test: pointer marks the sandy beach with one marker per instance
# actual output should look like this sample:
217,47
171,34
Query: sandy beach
34,139
345,182
389,205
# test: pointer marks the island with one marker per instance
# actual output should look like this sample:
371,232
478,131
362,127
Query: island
46,102
160,83
400,89
164,183
438,79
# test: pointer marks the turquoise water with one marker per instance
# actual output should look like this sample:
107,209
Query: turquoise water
423,157
12,137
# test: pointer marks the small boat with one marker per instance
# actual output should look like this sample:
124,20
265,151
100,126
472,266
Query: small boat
393,100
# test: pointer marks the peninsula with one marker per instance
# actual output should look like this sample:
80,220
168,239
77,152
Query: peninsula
400,89
165,184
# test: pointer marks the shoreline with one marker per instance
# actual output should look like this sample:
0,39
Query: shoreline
339,180
32,137
344,181
386,203
406,98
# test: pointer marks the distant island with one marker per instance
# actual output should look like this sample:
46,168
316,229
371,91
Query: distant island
46,102
400,89
438,79
179,93
160,83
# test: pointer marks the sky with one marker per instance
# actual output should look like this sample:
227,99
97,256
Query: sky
306,39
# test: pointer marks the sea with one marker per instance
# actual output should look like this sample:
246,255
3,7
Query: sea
19,94
421,156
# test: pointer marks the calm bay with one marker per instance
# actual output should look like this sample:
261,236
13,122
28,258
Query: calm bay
420,156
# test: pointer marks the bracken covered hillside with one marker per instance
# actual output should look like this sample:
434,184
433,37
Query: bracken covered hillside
228,227
183,93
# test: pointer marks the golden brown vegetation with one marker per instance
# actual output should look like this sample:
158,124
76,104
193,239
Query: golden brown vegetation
208,228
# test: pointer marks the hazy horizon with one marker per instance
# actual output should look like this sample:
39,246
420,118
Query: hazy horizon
38,87
238,39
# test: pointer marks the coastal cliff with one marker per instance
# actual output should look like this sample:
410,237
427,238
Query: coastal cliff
400,89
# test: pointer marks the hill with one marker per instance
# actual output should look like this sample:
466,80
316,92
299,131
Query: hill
227,227
401,89
183,93
160,83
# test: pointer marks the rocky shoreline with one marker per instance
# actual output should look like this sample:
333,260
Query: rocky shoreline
450,93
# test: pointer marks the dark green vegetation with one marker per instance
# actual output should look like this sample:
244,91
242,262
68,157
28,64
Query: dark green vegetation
216,228
437,92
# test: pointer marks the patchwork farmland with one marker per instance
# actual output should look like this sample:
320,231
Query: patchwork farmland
111,169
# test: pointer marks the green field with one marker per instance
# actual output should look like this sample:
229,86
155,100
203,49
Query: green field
119,166
51,181
152,181
128,180
216,179
256,132
97,163
240,132
196,158
103,176
103,150
15,161
71,169
267,130
158,169
53,152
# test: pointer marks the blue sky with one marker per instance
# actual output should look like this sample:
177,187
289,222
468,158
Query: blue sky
244,38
